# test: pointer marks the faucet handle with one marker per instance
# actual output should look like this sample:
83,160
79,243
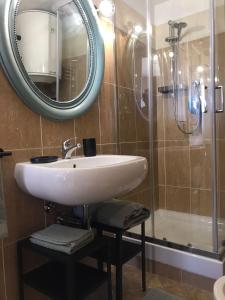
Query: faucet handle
68,143
68,146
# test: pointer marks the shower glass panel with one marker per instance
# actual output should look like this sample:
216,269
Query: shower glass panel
181,33
220,115
133,93
165,113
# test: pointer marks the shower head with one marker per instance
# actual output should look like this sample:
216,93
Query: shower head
179,26
172,26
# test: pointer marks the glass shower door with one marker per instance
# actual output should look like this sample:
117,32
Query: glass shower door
183,136
220,116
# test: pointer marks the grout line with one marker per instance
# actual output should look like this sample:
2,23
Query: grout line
51,147
164,154
190,176
3,266
122,143
185,187
124,87
109,83
42,145
24,149
108,144
99,124
183,140
74,129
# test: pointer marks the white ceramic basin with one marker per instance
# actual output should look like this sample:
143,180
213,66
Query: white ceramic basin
94,179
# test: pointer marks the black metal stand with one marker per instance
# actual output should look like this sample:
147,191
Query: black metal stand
64,277
121,252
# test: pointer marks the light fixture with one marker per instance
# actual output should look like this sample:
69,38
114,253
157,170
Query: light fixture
171,54
138,29
200,69
106,8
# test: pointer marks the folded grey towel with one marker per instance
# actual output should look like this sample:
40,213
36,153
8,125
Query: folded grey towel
119,213
69,249
62,238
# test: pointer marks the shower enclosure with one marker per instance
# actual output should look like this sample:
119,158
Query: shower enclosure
170,70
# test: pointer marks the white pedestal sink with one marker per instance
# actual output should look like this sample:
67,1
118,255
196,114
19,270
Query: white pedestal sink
82,180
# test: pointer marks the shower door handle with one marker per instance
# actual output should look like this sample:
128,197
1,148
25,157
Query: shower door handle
200,90
203,97
221,109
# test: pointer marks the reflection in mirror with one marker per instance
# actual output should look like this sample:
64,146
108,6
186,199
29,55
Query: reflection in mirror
3,222
53,45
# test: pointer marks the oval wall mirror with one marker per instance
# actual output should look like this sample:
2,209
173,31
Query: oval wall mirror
53,54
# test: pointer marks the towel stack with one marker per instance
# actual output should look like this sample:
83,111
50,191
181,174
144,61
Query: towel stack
62,238
119,213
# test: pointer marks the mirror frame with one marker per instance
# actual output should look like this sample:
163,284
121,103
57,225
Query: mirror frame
26,88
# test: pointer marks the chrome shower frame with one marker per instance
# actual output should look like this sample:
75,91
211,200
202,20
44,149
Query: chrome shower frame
212,111
212,104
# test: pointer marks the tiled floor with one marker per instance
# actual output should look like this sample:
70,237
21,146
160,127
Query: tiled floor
132,286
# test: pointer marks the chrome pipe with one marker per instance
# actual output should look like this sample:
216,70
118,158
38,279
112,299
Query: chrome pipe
151,118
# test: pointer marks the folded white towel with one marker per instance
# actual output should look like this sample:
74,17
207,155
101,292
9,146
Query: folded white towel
62,238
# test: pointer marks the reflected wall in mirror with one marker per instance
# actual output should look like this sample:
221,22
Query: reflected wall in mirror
53,44
53,54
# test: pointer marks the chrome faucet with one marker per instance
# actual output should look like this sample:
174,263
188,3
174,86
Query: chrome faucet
68,147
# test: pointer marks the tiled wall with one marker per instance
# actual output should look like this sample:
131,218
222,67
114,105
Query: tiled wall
27,134
113,120
133,128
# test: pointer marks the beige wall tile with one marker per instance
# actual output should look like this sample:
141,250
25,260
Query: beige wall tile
161,196
128,148
159,118
25,214
146,198
221,204
88,125
143,150
109,149
142,125
178,199
166,66
53,151
159,163
109,40
54,133
30,261
11,275
2,287
15,131
177,164
201,166
201,202
171,130
127,112
221,163
158,71
108,114
124,60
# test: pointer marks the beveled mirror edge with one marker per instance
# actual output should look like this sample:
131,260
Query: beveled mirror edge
22,86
